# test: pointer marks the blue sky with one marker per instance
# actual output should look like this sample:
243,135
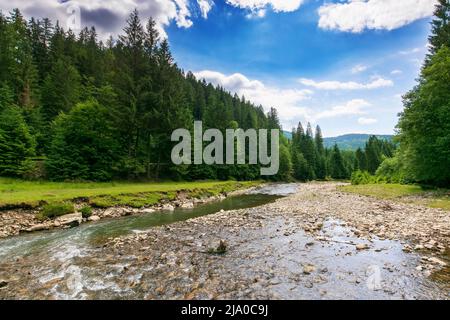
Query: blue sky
341,64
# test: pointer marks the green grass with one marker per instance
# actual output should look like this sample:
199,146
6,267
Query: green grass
439,198
15,192
54,210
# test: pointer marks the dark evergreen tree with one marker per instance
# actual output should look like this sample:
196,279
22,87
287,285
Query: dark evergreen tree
17,145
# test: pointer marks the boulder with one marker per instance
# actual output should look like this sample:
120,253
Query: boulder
148,210
71,220
187,205
38,227
362,246
3,283
93,218
168,207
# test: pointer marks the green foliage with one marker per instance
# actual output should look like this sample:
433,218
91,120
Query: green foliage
83,146
54,210
86,212
425,124
285,170
337,165
392,170
16,143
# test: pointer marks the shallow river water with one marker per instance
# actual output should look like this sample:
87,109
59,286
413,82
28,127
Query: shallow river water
64,264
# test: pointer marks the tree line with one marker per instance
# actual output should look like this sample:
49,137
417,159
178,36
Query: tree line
423,136
75,108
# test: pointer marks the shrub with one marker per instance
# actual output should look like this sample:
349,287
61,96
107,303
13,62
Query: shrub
17,144
54,210
86,212
362,177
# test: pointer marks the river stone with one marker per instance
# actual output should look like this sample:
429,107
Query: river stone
168,207
362,246
148,210
308,269
3,283
437,261
38,227
93,218
187,205
72,220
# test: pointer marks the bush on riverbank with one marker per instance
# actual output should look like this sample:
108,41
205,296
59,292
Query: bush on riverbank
54,210
86,212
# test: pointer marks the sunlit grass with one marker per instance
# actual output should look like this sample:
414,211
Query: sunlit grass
14,192
438,198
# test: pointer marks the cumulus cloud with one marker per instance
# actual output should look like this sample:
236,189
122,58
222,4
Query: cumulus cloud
287,101
205,6
109,15
357,15
367,121
352,107
351,85
276,5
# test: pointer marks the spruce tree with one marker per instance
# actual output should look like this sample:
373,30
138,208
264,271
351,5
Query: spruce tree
17,145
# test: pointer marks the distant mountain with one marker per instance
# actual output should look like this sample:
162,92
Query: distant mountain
348,141
352,141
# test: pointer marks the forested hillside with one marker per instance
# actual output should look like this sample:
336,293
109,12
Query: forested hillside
95,111
75,108
353,141
424,126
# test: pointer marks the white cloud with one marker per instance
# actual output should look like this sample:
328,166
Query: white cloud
367,121
358,15
287,101
408,52
351,85
396,72
277,5
109,16
205,7
352,107
359,68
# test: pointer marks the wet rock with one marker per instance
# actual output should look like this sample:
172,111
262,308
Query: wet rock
3,283
308,269
109,212
362,246
38,227
187,205
94,218
148,210
221,248
168,207
71,220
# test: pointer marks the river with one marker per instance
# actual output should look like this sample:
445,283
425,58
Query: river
75,264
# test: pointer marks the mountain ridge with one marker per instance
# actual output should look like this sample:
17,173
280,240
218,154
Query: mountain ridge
351,141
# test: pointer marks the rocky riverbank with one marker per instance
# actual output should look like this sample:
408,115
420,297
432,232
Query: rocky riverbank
15,222
318,243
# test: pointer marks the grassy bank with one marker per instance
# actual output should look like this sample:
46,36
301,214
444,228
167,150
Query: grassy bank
439,198
32,194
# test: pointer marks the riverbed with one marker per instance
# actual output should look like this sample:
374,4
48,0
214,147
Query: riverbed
282,242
